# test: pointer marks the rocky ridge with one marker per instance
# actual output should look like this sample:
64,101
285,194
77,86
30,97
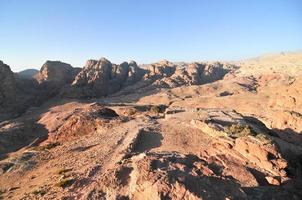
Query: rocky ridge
100,78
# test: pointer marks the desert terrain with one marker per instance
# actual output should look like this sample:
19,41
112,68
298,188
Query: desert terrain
201,130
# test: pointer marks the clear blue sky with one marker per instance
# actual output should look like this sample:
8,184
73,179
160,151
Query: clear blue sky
73,31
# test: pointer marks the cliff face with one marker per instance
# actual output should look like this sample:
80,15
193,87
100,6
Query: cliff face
100,78
18,92
53,76
7,84
56,71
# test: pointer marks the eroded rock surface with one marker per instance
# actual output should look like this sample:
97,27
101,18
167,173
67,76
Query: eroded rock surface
15,94
159,131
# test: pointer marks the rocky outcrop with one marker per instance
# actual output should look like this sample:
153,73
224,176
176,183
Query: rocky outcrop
101,78
18,91
11,101
169,75
200,73
7,85
78,122
248,136
163,68
53,76
167,176
134,73
55,71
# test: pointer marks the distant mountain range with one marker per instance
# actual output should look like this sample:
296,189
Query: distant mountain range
28,73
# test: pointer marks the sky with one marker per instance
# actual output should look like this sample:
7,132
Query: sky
74,31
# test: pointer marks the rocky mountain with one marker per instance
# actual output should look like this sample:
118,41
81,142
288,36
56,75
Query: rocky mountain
101,78
14,96
53,76
7,87
201,130
28,73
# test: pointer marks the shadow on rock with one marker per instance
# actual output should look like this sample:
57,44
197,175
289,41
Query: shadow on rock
16,135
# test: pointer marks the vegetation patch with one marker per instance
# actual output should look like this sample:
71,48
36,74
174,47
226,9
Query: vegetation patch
48,146
64,183
239,130
131,111
155,109
62,171
39,192
263,138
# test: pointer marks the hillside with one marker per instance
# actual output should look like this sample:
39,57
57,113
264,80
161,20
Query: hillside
162,131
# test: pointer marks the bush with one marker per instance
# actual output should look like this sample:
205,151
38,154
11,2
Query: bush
64,183
263,138
155,109
62,171
131,111
238,130
47,146
39,192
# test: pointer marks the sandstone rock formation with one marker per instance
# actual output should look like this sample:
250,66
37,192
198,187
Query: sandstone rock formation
56,71
78,122
159,131
7,85
101,78
247,136
53,76
11,98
